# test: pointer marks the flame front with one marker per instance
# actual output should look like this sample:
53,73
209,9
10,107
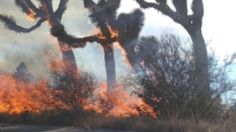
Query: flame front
118,103
17,97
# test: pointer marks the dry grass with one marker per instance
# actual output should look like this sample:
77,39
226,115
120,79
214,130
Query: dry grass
151,125
140,124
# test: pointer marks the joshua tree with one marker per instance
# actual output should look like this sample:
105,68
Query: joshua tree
123,29
98,16
44,13
192,24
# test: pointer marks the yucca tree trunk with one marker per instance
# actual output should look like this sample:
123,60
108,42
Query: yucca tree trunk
67,55
201,59
68,60
110,66
201,69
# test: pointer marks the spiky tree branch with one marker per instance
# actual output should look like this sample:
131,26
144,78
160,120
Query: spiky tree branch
165,9
75,42
181,14
33,7
29,8
24,7
12,25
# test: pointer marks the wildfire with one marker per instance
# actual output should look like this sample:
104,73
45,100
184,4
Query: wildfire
118,103
17,97
31,16
113,33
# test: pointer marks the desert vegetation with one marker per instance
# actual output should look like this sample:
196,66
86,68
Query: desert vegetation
173,85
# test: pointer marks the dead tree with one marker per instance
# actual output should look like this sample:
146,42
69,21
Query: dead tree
192,24
43,13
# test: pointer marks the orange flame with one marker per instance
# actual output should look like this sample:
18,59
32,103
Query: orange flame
17,97
31,16
114,33
118,103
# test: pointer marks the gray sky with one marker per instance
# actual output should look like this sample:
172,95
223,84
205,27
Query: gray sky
38,48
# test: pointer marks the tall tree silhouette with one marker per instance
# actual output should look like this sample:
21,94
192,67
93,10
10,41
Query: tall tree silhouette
104,15
99,13
129,27
43,13
192,24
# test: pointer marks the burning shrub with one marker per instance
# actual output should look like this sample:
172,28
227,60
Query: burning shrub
82,93
68,92
75,91
18,94
119,102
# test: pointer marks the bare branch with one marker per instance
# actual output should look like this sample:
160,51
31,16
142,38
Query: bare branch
165,9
